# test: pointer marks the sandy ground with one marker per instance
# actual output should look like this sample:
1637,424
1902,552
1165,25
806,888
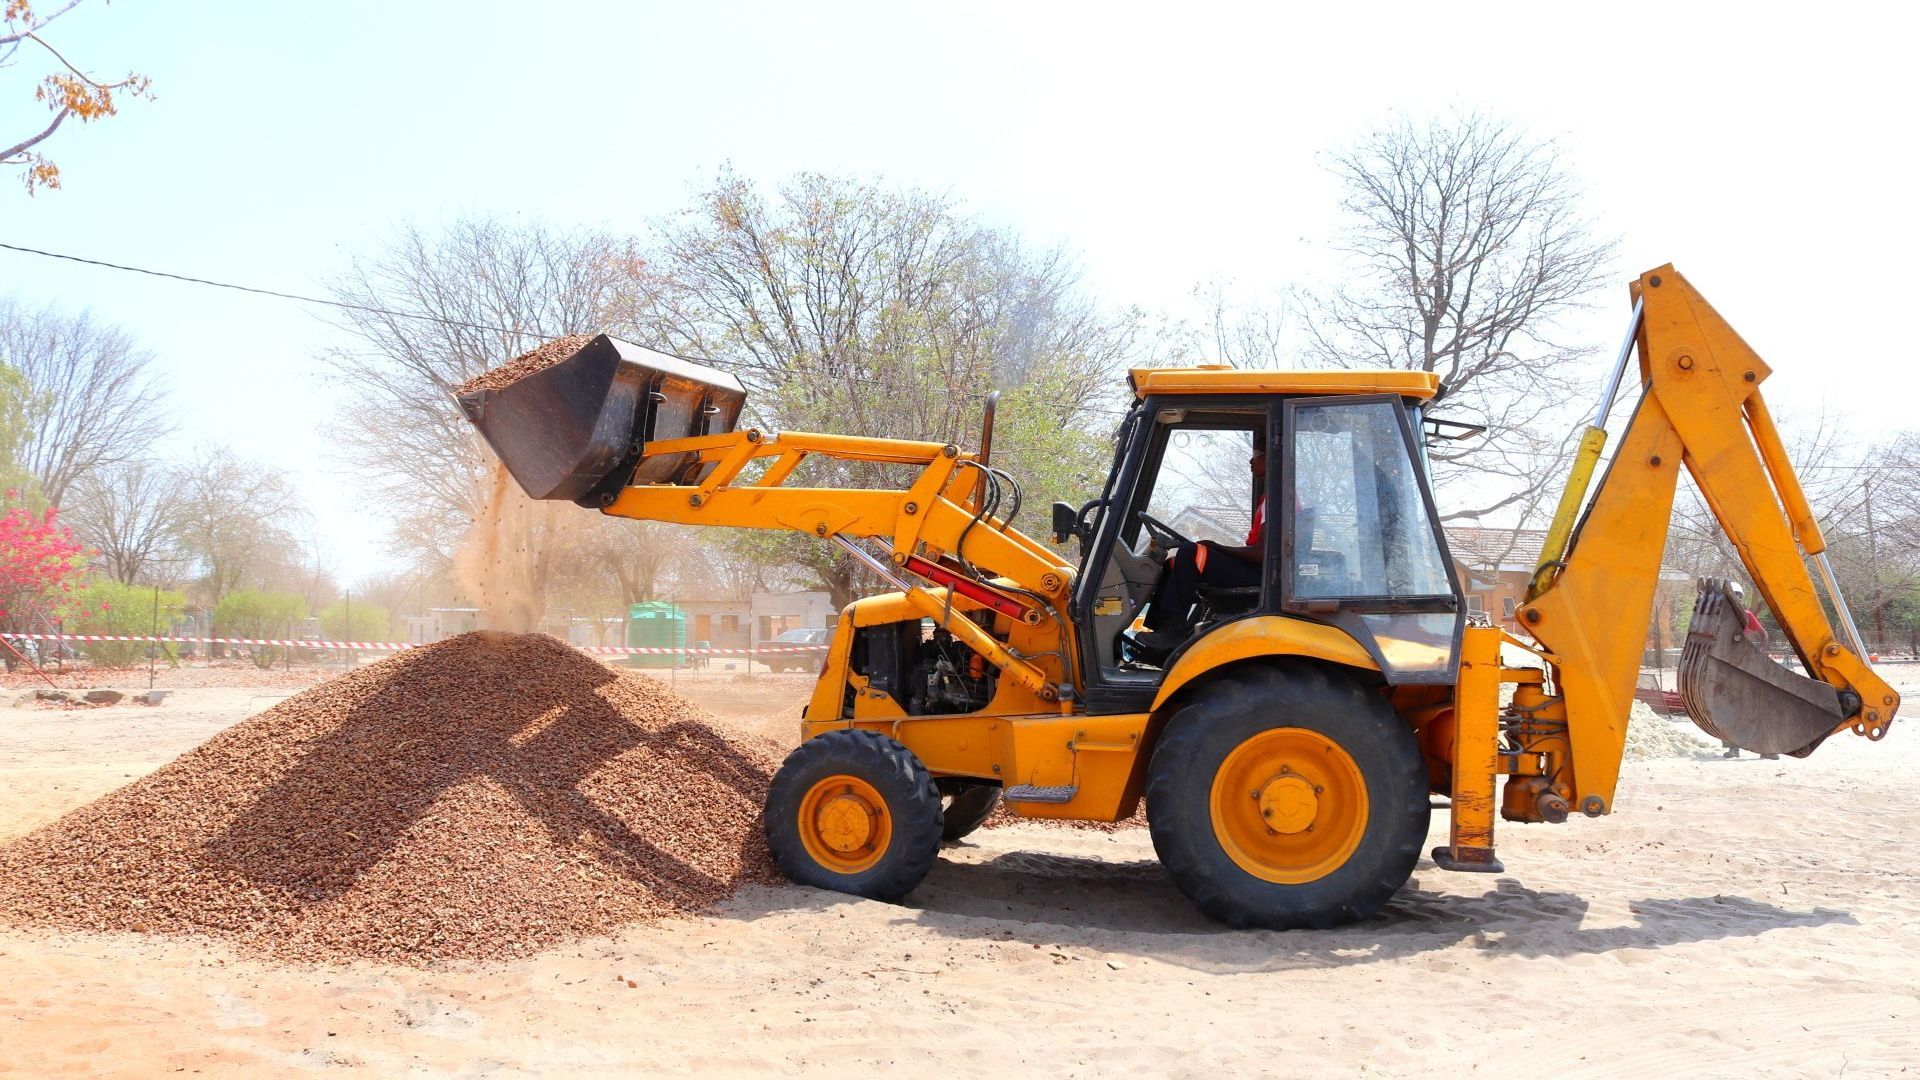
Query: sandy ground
1734,918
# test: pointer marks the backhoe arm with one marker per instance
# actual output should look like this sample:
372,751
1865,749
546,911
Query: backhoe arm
1702,405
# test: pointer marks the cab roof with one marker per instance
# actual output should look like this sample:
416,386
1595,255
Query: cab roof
1219,379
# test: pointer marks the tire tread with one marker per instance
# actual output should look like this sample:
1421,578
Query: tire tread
1191,854
913,802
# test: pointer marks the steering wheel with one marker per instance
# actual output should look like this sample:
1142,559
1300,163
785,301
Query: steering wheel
1163,534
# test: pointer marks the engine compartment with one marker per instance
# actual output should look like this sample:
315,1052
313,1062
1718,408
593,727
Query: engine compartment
922,667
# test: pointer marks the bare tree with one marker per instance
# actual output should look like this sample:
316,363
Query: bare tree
67,91
1232,331
848,305
1866,500
405,592
93,402
305,566
492,290
1468,245
128,514
236,521
624,559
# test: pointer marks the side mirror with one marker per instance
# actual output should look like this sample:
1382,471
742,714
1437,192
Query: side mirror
1066,522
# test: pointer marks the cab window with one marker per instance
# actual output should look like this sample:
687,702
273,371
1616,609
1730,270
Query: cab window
1204,489
1361,524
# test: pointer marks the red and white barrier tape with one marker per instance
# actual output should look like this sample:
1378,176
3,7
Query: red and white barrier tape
377,646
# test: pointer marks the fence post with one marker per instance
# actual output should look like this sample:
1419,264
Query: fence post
153,631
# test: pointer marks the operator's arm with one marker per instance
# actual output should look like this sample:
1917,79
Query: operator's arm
1250,551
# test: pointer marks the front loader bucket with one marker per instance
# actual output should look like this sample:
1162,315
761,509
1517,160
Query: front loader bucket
1736,693
575,430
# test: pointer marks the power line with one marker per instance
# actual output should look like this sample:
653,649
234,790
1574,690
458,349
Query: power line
340,304
343,305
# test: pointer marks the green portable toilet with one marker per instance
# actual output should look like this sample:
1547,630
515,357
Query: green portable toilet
656,625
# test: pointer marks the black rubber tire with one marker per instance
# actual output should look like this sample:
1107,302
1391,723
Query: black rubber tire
913,804
1225,713
969,806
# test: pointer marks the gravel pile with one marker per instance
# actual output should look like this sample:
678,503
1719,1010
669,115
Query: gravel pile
481,798
526,364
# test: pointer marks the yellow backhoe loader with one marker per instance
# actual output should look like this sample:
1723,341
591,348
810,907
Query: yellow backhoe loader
1289,743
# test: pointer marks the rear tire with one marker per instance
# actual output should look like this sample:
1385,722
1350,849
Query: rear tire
969,805
856,812
1288,796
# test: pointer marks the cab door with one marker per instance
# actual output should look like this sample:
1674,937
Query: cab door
1362,545
1184,461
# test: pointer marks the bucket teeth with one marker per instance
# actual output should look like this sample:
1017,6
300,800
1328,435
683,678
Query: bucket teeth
1736,693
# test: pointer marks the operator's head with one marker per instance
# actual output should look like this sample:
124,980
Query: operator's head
1258,462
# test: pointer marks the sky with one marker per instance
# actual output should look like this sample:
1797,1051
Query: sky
1766,151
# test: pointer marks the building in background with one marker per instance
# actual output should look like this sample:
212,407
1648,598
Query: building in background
438,624
742,624
1494,566
774,613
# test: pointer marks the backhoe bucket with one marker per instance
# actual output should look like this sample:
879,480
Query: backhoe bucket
1736,693
575,430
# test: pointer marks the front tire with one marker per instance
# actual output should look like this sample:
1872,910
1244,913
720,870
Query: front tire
856,812
1288,796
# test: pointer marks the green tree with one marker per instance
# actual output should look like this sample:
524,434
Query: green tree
353,620
107,606
255,613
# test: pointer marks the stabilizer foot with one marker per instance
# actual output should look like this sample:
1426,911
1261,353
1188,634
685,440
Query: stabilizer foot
1467,860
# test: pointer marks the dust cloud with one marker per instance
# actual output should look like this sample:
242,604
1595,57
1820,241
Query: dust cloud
502,563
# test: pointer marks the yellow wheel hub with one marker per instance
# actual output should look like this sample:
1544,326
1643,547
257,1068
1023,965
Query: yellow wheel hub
1289,805
844,824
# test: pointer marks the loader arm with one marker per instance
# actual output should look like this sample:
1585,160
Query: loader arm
1594,593
937,530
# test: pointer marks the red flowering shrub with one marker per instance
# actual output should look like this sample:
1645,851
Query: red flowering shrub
40,567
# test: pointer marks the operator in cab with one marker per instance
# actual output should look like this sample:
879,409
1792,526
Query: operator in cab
1169,617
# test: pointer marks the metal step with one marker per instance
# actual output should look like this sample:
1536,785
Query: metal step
1034,793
